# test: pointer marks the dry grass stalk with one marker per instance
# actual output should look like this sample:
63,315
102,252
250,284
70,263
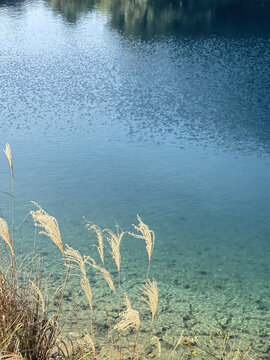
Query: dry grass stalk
179,341
11,357
87,290
114,240
5,234
150,290
40,296
238,355
129,318
155,340
103,271
49,224
76,258
107,278
24,329
99,235
146,234
90,341
7,152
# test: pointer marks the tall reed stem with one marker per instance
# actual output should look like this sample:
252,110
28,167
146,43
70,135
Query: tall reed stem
13,225
119,311
148,271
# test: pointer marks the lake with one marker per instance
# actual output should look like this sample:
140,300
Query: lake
115,108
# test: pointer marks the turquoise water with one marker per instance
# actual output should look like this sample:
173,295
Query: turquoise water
111,113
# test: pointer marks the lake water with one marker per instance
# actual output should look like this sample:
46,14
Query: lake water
157,108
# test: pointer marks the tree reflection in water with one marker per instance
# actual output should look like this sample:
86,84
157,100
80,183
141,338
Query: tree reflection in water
148,18
72,9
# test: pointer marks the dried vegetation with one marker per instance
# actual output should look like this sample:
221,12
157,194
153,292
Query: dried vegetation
29,321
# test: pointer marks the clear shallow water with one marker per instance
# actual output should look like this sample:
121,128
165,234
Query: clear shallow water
110,115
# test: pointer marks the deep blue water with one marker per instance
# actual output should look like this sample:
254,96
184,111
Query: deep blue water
157,108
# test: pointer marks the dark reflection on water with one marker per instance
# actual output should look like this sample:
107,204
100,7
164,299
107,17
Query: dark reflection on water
11,2
72,9
14,4
148,18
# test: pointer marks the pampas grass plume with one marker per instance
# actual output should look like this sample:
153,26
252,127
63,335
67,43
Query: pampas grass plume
115,240
99,235
7,152
49,224
5,234
150,292
146,234
129,318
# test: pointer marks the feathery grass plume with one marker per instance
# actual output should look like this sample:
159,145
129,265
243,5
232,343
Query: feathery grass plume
7,152
99,235
147,235
103,271
90,341
85,285
107,278
75,257
40,296
129,318
150,290
179,341
5,234
155,340
114,240
49,224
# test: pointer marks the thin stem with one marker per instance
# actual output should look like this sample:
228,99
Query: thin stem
108,308
75,310
135,343
92,329
146,339
13,210
148,270
13,264
119,311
